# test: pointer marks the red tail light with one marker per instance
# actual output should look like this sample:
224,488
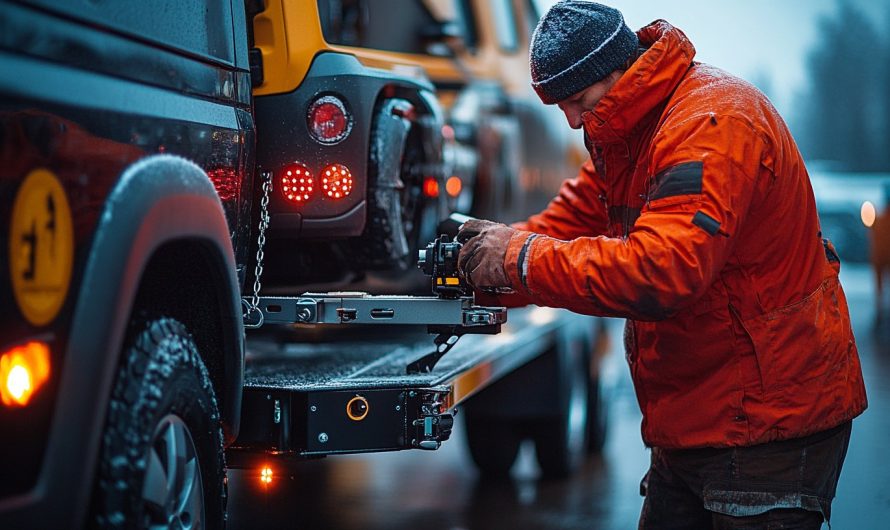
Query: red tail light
329,121
430,187
336,181
226,182
296,183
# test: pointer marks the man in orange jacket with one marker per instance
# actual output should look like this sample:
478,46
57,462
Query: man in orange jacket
695,220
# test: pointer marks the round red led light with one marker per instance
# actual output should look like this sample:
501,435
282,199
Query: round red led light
336,181
329,121
296,183
431,187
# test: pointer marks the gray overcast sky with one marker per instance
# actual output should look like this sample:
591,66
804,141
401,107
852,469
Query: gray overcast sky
754,39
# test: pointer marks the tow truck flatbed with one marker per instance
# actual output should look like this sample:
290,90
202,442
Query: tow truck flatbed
332,391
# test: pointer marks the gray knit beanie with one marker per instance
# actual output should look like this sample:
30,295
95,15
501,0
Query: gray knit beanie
576,44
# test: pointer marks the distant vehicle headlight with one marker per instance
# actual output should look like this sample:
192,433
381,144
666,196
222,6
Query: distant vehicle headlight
868,213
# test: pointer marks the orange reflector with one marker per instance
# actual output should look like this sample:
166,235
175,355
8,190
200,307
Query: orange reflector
430,187
23,370
266,475
453,186
336,181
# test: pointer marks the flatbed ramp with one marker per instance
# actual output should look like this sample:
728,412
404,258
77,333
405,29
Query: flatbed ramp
332,391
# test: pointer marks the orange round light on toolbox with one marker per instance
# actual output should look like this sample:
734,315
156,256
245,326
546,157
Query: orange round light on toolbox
357,408
336,181
296,183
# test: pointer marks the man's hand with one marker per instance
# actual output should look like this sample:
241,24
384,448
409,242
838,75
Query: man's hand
481,259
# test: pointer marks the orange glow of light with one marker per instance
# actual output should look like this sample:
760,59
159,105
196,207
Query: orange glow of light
23,370
453,186
430,187
868,213
336,181
266,475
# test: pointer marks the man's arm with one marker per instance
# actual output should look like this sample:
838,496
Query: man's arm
682,240
578,210
678,246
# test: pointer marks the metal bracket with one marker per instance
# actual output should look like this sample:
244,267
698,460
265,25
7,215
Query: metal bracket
446,338
433,425
448,318
363,308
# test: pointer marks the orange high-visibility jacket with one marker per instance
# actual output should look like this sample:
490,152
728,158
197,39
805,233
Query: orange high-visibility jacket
696,220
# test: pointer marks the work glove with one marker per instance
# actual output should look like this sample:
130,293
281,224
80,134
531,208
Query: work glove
481,260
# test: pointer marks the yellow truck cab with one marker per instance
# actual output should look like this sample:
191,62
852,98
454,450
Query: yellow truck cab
374,126
511,152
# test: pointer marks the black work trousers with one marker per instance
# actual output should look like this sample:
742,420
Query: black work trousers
785,484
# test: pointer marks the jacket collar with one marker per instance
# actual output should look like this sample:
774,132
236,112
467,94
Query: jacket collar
646,84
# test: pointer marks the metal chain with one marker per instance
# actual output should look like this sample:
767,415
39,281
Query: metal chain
254,305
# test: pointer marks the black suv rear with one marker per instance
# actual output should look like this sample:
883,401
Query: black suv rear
126,153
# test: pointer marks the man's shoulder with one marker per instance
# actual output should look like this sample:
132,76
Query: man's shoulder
707,94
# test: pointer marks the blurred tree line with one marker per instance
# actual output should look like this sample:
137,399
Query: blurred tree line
844,116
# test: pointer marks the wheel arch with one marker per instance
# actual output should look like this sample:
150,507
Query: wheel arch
162,206
182,280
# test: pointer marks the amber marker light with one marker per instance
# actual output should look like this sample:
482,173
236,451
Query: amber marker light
453,186
296,183
23,370
266,475
336,181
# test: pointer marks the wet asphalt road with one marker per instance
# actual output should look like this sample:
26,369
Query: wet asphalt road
441,491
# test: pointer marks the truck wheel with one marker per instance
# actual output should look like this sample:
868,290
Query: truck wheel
162,463
561,442
395,203
493,445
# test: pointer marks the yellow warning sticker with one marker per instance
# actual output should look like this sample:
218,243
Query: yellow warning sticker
41,247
